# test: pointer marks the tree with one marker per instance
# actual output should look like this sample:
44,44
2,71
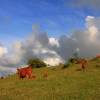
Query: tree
36,63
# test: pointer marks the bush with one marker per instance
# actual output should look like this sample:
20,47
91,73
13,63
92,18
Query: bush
70,61
66,65
36,63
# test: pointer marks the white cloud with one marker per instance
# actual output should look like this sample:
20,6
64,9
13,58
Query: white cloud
53,42
37,45
53,51
53,60
88,18
92,28
3,51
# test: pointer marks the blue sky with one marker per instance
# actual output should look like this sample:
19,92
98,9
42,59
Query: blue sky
56,17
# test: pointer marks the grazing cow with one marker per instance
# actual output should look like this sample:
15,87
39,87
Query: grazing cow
83,63
25,72
45,74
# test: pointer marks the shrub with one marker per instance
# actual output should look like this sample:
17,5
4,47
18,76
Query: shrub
36,63
66,65
69,62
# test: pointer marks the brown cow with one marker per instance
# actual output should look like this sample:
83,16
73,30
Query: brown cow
83,63
25,72
45,74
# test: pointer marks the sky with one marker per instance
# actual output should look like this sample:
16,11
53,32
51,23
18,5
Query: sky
52,16
56,17
48,29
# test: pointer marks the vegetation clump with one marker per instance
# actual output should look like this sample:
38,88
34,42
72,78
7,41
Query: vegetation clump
36,63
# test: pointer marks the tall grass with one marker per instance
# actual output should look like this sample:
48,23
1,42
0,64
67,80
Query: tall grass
67,84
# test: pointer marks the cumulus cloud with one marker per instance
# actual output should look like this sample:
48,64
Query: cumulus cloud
54,50
93,28
53,42
3,51
37,45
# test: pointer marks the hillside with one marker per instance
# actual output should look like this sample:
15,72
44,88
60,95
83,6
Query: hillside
61,84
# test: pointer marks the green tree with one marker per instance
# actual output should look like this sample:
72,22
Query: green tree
36,63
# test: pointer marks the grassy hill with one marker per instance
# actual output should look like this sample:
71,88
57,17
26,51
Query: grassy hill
62,84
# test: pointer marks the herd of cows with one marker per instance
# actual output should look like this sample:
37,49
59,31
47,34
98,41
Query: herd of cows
26,72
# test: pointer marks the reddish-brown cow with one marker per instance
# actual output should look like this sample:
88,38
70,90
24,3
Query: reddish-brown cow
25,72
83,63
45,74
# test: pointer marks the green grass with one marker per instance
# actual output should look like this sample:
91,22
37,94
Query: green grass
62,84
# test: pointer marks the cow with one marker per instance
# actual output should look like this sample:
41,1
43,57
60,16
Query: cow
45,74
83,63
25,72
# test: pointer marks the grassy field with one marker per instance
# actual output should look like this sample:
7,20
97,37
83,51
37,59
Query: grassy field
62,84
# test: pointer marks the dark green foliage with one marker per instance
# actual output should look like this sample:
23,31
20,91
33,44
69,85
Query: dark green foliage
36,63
66,65
72,60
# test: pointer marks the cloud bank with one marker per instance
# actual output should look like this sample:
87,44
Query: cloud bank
54,50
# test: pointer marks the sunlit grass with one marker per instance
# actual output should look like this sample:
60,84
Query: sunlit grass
61,84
